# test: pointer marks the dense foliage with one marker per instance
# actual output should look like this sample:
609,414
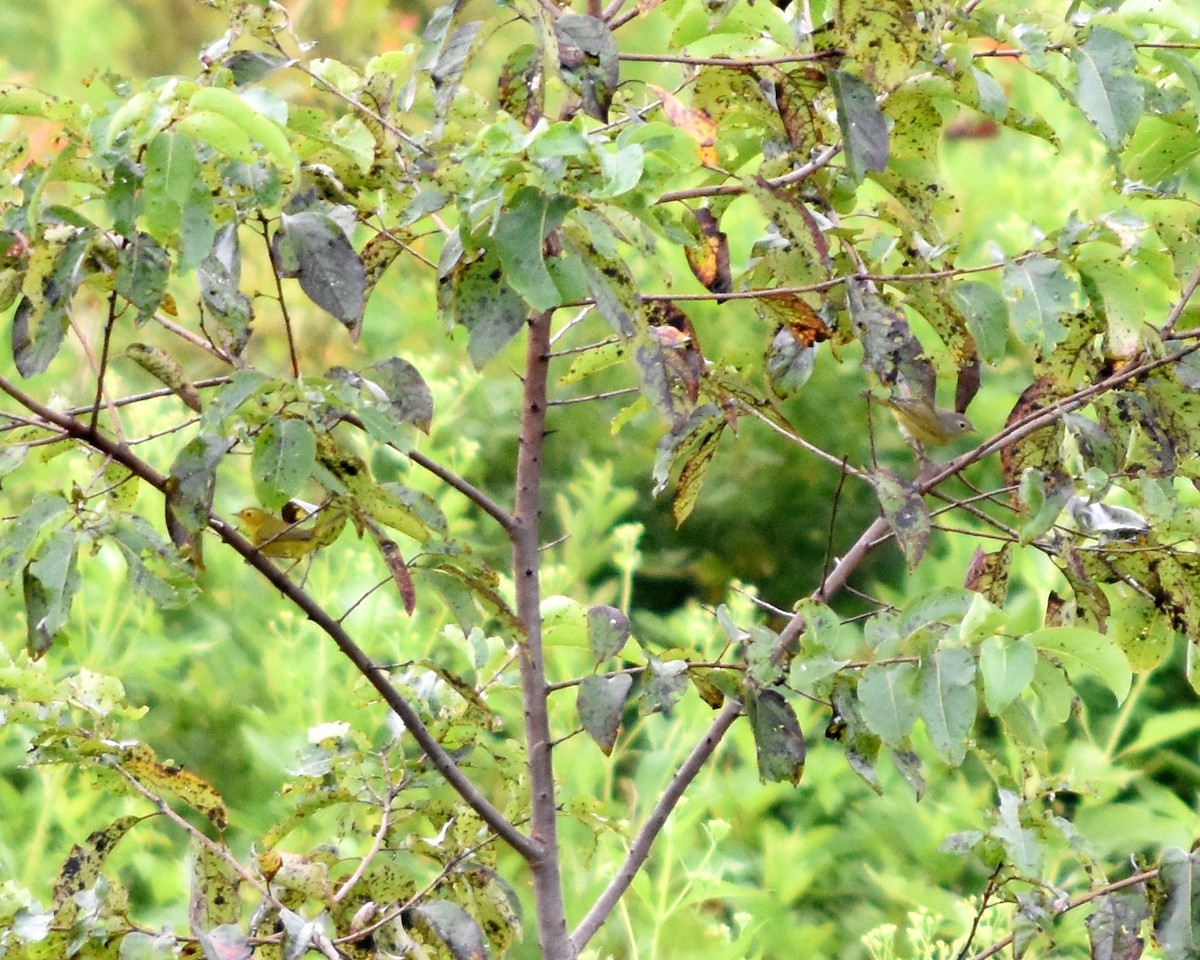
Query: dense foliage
383,356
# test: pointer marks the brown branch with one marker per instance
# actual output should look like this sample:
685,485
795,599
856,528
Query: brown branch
732,62
1073,904
441,760
526,559
640,849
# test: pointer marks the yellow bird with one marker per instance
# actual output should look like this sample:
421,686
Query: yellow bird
275,537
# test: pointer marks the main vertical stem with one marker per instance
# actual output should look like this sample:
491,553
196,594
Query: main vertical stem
526,541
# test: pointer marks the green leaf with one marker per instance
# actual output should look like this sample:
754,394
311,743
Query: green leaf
789,362
888,703
1081,650
250,66
882,36
1020,843
142,273
520,233
987,318
40,321
446,924
564,622
588,61
311,247
284,455
1054,690
171,172
49,583
1039,292
455,41
218,132
905,513
153,568
1007,667
863,126
190,489
219,276
407,395
1114,926
778,741
601,702
608,631
666,684
1107,90
1041,501
18,536
476,296
1177,913
265,130
946,700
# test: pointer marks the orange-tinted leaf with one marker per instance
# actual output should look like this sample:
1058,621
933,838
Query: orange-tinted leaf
794,312
709,256
696,123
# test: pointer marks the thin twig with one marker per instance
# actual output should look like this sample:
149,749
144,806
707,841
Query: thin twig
168,811
639,850
731,62
279,295
104,348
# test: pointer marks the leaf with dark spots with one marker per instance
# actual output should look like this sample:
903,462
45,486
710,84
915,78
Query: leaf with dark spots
142,274
864,127
219,276
40,322
588,61
521,88
140,763
82,867
311,247
778,741
709,255
906,514
674,332
475,295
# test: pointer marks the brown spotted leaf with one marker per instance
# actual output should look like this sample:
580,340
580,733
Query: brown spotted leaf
164,367
82,867
987,574
521,88
214,898
709,255
139,762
